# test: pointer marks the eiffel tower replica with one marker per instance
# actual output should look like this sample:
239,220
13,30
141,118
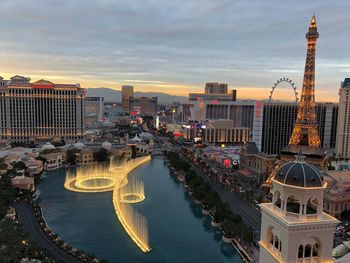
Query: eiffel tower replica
305,136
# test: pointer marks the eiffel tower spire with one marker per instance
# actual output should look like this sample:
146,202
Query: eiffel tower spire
305,129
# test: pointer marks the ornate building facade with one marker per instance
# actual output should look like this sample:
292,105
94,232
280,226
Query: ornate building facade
41,111
294,227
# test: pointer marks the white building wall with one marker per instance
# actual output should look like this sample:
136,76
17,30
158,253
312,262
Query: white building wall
343,129
258,125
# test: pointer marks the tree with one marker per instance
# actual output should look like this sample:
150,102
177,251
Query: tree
133,151
19,166
245,231
3,166
101,155
71,156
40,158
230,229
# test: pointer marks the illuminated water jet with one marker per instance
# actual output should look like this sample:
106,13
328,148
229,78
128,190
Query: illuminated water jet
101,178
90,179
132,193
134,223
132,198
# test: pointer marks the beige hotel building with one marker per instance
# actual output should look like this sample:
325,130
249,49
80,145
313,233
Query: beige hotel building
41,111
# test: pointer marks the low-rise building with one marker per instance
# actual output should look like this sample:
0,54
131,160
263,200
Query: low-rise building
24,183
259,164
125,152
54,157
34,166
223,131
144,148
337,194
86,155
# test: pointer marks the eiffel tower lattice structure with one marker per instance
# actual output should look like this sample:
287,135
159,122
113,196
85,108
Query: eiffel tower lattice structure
305,137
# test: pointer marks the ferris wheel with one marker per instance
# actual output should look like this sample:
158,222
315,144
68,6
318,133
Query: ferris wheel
290,82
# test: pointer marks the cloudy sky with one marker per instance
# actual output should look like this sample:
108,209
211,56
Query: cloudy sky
175,46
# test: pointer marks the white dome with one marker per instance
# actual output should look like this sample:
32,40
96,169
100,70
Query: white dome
79,145
136,139
48,146
106,145
146,136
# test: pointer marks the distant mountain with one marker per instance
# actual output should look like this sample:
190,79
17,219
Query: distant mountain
111,95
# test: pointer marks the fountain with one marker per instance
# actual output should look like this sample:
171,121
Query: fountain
90,179
132,193
101,178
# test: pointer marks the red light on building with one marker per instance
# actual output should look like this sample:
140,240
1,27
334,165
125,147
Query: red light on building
177,134
133,113
257,106
42,86
227,162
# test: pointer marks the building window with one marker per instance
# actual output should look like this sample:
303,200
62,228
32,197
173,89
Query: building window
293,204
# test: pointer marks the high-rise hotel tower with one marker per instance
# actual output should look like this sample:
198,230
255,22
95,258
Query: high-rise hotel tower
41,111
343,132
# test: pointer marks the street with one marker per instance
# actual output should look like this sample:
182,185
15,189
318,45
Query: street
239,206
28,220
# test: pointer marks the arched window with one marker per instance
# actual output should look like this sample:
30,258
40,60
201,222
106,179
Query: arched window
270,235
293,204
300,251
280,248
311,207
278,199
307,252
315,250
276,242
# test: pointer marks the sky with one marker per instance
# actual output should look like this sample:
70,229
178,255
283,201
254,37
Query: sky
176,46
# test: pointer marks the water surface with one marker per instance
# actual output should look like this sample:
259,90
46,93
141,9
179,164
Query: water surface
178,232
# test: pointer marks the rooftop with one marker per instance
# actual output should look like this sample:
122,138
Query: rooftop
293,219
298,173
346,83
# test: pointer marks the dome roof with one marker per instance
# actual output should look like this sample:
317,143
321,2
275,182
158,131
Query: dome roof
299,173
135,139
106,145
48,146
79,145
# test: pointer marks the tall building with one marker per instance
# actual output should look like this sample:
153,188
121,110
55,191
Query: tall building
41,111
274,126
3,82
127,92
223,131
216,88
186,112
294,227
343,130
242,113
94,107
214,92
144,105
